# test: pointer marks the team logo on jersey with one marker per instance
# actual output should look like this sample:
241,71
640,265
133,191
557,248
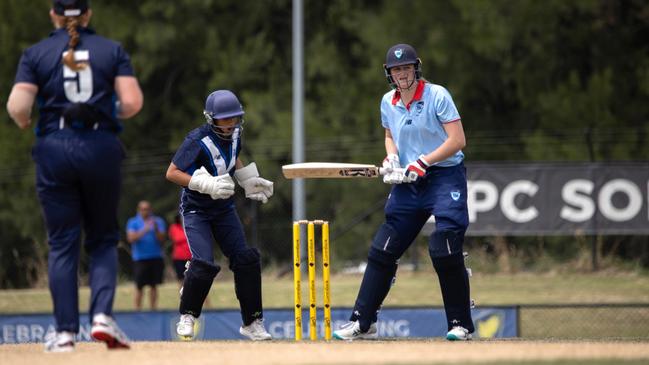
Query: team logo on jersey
419,107
455,195
398,52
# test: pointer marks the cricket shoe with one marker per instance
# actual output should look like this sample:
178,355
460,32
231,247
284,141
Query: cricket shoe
256,331
351,331
458,333
105,329
59,342
185,326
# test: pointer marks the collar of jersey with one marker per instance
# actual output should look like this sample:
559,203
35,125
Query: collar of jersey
418,94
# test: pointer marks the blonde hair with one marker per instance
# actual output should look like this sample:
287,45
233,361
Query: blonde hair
71,23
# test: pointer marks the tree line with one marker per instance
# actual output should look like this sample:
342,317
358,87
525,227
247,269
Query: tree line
533,80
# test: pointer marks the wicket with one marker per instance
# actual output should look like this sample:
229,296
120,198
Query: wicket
312,292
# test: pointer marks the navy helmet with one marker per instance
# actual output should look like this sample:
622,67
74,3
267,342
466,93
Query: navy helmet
70,7
223,104
399,55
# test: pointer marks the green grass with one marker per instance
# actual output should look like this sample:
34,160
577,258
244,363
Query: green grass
412,289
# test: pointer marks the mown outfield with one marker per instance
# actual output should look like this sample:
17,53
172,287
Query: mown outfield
412,288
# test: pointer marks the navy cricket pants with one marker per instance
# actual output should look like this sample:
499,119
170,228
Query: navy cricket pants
442,193
204,228
78,178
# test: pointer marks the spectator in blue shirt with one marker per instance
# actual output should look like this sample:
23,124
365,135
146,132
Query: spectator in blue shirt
146,234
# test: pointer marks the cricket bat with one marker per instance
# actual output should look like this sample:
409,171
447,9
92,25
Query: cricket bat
331,170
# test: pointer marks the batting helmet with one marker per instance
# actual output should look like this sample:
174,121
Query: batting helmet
399,55
70,7
222,104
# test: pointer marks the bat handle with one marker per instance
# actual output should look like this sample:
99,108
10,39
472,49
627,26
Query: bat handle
384,171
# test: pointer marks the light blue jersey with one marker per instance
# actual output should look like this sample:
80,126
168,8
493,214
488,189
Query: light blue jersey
418,129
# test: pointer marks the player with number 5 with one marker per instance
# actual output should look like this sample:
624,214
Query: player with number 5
77,77
423,132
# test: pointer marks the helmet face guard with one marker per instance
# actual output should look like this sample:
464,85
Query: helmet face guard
223,104
390,79
400,55
224,132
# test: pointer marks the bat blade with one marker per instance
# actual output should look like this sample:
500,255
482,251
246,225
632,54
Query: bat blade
331,170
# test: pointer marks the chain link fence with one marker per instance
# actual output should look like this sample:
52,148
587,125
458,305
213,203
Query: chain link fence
579,321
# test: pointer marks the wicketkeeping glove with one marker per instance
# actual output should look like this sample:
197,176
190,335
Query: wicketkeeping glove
256,187
416,169
217,187
391,164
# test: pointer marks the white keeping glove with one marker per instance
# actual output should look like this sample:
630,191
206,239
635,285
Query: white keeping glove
256,187
217,187
395,174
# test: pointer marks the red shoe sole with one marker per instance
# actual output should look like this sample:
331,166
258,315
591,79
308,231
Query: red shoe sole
110,341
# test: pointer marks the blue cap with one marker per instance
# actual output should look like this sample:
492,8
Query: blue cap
70,7
223,104
400,54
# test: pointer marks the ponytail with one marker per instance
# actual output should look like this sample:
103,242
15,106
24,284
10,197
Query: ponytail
71,23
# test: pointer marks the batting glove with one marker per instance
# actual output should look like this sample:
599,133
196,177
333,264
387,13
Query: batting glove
256,187
394,173
217,187
416,169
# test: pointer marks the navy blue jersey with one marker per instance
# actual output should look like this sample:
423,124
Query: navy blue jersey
202,147
59,86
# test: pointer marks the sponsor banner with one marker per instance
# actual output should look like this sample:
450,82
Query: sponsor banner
557,199
496,322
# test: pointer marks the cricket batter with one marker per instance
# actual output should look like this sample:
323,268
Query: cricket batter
424,133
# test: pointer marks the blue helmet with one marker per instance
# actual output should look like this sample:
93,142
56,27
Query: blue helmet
70,7
399,55
223,104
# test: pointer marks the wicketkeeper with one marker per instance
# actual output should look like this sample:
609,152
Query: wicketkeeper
205,165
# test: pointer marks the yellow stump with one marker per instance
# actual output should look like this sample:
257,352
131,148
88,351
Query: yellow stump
312,298
297,294
325,281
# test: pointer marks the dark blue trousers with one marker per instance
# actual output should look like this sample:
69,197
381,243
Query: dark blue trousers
204,228
224,227
442,193
78,178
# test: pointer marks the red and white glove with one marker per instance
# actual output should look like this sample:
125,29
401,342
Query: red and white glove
394,173
416,169
256,187
217,187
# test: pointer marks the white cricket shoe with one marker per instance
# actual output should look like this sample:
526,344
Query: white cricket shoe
59,342
256,331
185,326
458,333
105,329
352,331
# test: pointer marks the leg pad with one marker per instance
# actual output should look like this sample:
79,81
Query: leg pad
198,281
